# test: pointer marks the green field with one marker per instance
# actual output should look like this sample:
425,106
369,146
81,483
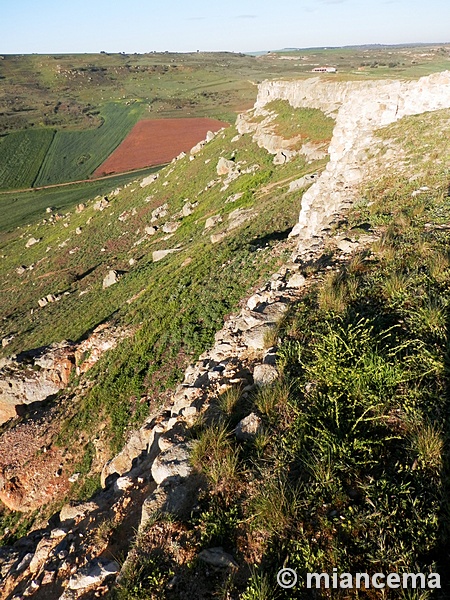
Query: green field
21,155
74,155
19,208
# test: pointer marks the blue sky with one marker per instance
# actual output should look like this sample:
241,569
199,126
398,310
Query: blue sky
50,26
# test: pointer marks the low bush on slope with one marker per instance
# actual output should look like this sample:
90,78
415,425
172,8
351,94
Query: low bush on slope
350,471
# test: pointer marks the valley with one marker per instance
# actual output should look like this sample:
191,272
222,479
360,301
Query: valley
236,360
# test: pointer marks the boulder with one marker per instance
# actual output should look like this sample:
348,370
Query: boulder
212,221
69,513
197,148
171,226
32,241
93,573
347,246
188,208
148,180
111,278
101,204
254,338
176,496
264,374
175,461
296,281
34,376
239,216
218,237
160,254
225,166
160,212
216,557
150,230
248,427
136,445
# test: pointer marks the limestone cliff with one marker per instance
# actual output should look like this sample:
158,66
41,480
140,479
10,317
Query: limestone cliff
359,108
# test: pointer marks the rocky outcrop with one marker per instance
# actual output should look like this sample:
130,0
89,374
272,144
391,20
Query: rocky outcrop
265,136
36,375
359,108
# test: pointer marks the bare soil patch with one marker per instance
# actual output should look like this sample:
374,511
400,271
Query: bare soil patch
154,142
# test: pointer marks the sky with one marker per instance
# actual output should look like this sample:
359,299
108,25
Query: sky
69,26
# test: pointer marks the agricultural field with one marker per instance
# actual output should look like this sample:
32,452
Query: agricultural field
21,155
373,61
74,155
20,208
155,142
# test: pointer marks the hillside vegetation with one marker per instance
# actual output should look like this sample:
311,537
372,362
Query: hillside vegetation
348,469
174,306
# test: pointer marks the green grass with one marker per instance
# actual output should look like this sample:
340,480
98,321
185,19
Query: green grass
25,208
74,155
309,123
21,155
351,467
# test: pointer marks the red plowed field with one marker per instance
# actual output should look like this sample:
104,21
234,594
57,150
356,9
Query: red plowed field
155,142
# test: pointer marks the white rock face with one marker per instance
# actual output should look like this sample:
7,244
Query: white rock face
172,462
360,108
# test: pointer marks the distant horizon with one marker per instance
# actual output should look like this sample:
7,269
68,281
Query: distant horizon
246,26
246,52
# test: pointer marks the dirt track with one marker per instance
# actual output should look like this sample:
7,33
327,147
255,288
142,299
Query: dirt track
154,142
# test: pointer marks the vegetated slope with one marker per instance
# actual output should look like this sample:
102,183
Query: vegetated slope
74,155
21,156
348,471
174,305
311,122
349,467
